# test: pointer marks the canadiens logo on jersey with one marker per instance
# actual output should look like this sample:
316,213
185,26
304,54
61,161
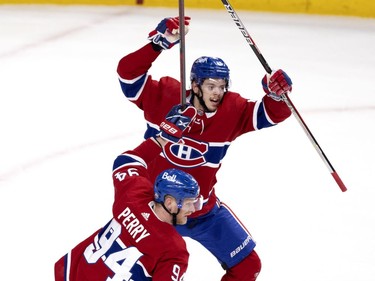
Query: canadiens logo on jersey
187,153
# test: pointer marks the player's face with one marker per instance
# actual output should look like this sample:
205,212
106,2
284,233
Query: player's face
213,91
188,207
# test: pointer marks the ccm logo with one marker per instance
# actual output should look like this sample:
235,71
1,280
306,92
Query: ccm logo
168,128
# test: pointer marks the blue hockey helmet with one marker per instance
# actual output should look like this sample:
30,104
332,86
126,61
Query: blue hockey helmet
209,67
176,183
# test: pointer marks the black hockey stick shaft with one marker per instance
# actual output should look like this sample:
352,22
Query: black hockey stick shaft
181,15
285,97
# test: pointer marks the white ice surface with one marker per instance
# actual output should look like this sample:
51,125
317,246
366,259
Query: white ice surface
64,120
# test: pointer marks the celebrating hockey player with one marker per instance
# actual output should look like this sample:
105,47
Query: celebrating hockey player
140,242
222,116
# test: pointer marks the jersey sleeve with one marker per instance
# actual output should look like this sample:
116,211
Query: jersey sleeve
264,113
137,63
268,112
132,70
130,175
154,97
239,115
277,111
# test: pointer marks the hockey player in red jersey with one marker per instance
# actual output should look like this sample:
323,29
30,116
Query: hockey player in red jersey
222,116
140,242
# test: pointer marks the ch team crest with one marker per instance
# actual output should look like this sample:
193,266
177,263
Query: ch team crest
187,153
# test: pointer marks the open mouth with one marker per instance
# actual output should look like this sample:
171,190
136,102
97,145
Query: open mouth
215,100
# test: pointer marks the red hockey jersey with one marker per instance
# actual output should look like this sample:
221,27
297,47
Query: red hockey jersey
211,134
134,244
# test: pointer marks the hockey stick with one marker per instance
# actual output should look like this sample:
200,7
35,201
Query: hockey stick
181,15
285,97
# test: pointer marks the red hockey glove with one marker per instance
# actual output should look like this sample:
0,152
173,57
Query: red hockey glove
276,84
176,122
167,33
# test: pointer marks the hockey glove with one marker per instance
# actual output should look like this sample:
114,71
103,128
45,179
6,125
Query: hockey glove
176,122
276,84
167,33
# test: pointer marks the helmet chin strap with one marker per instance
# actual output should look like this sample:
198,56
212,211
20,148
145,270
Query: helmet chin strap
174,215
199,96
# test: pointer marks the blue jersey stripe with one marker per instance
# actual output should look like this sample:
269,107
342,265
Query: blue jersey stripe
126,160
132,89
262,118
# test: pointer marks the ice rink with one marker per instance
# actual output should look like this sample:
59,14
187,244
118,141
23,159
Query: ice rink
64,120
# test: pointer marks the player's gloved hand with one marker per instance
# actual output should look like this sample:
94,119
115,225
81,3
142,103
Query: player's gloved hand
276,84
176,122
167,33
